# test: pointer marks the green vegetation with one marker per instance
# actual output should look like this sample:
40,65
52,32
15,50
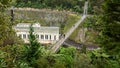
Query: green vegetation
91,24
72,19
32,51
95,6
105,27
74,35
4,4
13,56
110,22
7,35
74,5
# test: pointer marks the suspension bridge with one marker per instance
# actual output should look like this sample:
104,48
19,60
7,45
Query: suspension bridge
58,44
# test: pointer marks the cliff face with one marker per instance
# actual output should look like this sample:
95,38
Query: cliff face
82,35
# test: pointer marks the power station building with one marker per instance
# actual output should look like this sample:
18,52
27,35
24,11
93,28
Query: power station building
44,34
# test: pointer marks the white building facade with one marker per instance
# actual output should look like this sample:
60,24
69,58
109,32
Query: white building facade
44,35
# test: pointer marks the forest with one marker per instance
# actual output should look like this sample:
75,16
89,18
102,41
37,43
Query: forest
103,20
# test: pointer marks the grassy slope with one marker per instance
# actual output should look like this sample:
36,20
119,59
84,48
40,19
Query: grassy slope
74,35
72,19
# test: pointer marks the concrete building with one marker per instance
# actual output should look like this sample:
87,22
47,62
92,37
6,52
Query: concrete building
45,35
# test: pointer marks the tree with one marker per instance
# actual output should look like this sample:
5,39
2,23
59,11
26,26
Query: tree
82,60
95,6
65,57
4,4
32,50
7,35
110,32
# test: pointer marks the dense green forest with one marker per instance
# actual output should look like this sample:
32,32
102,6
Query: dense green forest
72,5
58,4
104,20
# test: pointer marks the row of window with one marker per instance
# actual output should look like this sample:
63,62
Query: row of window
47,37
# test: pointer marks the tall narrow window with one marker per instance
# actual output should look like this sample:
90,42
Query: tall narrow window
42,36
24,36
54,37
28,36
46,36
50,37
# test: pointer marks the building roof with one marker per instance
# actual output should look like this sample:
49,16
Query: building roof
24,27
27,25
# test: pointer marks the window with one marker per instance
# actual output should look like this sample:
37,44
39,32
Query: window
46,36
50,37
28,36
42,36
54,37
24,36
